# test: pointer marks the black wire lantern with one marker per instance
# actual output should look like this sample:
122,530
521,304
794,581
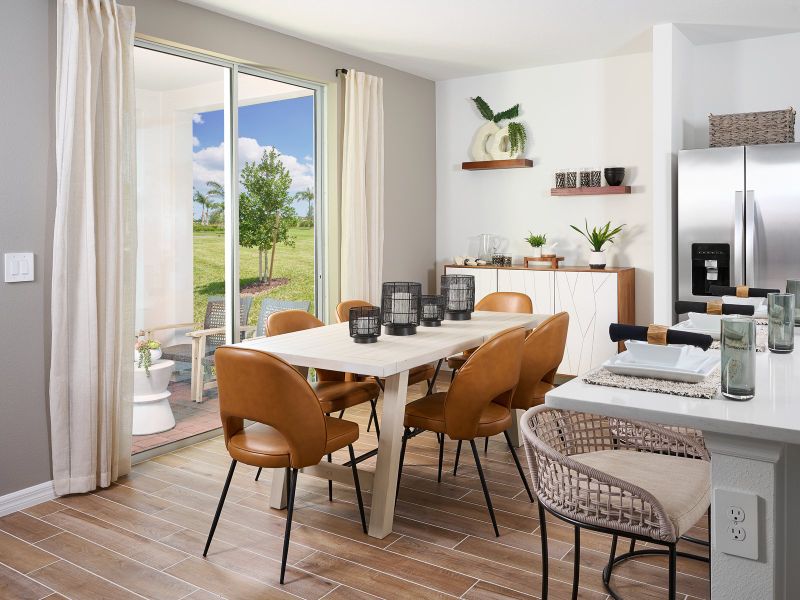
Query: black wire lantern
365,324
401,307
459,296
432,311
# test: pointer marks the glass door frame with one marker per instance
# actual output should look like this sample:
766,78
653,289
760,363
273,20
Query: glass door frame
231,208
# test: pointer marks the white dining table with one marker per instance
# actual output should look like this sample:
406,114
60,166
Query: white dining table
330,347
755,449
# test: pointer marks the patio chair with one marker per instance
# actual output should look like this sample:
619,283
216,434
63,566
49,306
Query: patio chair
203,341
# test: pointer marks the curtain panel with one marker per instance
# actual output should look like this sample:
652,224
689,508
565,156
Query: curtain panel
362,188
94,246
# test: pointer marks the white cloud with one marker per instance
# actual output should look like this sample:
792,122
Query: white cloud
195,141
197,118
208,164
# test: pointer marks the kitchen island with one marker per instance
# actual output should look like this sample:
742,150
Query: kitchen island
755,449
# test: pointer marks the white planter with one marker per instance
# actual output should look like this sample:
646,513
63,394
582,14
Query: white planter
536,251
154,355
597,260
478,150
499,147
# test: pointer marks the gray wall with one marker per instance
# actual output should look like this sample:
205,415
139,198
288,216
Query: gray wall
26,192
27,73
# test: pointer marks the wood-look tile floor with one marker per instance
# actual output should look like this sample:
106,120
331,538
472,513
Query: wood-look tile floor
143,538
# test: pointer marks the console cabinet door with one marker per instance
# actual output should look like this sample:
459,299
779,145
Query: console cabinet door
591,301
538,285
485,280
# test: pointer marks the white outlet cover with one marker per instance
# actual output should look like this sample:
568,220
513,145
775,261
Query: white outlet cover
733,512
18,266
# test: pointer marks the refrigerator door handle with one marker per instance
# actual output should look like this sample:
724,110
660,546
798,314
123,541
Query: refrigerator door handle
750,238
737,277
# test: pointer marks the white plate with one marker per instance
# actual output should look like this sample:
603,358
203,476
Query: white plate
705,321
699,367
654,354
692,328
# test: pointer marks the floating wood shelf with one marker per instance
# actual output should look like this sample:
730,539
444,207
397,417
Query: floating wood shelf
591,191
513,163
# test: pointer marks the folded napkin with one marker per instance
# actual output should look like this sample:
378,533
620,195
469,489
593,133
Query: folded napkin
658,334
714,308
741,291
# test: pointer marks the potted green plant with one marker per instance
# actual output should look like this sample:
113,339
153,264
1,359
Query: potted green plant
597,238
148,351
536,240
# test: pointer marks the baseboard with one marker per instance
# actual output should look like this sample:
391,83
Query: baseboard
36,494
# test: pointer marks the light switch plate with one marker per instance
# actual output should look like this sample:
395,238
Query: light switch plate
736,522
19,267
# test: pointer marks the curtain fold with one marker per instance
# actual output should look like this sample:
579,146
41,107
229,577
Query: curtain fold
94,246
362,188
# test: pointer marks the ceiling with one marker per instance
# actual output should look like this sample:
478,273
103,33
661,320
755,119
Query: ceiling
443,39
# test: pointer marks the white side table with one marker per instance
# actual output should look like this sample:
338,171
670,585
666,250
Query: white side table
151,410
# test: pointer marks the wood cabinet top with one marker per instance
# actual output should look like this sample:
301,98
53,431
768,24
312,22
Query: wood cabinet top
574,268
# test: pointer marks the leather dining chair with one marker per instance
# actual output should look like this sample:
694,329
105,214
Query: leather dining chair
477,404
334,391
426,373
290,429
541,355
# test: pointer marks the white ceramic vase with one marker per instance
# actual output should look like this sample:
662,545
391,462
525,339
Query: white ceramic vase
478,148
154,355
536,251
597,260
498,146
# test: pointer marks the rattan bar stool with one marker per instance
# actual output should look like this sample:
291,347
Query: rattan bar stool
626,478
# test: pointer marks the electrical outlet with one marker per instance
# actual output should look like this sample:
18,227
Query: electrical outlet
735,523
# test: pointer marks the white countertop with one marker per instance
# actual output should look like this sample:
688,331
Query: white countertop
773,414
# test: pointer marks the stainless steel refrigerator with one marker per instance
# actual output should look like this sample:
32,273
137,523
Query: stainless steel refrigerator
738,217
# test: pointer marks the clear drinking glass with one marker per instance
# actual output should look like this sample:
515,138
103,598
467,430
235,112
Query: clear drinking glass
793,287
738,348
780,312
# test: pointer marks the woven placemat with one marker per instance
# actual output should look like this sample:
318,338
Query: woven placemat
762,337
705,389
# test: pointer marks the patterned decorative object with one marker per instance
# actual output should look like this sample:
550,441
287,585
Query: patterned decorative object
570,179
561,179
585,178
365,324
501,260
595,179
459,296
749,129
704,389
401,307
432,311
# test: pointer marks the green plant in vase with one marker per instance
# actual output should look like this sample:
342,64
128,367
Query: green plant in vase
145,350
488,143
597,238
536,241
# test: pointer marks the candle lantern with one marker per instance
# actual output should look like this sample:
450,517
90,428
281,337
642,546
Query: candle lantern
459,296
401,307
365,324
432,311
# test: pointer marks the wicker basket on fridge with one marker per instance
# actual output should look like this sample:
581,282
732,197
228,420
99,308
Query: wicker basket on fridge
749,129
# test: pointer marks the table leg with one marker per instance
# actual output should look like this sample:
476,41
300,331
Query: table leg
385,483
514,431
277,494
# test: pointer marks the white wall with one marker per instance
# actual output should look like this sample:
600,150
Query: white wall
583,114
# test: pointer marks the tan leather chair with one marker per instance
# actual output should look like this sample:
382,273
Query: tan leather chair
477,404
426,373
541,355
290,430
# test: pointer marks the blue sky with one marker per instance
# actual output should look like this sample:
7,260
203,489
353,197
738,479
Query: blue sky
287,125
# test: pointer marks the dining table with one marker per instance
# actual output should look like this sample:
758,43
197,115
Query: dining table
755,450
390,358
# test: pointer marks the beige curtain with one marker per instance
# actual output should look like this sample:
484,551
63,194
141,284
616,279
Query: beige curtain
362,188
94,246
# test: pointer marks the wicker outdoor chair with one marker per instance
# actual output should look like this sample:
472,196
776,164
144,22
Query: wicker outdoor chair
630,479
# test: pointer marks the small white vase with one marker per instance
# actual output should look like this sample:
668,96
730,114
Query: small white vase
154,356
478,150
499,147
536,251
597,260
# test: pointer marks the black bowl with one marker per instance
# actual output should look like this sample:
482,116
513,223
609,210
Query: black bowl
614,175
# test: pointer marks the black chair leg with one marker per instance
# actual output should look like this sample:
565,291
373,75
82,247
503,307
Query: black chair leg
673,568
358,488
519,466
219,506
452,375
291,474
633,546
576,564
486,445
432,381
258,473
483,484
458,454
543,538
611,557
341,413
373,416
330,483
441,456
402,458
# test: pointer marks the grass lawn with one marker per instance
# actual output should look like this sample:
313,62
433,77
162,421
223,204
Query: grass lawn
294,263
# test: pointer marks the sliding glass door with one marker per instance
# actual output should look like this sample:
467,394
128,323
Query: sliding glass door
227,232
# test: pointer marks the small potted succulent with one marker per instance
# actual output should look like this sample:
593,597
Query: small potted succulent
597,238
147,351
537,241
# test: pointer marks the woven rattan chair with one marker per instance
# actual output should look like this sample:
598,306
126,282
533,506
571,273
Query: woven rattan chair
626,478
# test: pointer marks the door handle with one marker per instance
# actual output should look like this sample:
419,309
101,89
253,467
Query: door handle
750,238
737,274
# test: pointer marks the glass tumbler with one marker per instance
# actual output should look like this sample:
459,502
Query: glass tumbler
780,312
793,287
738,348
